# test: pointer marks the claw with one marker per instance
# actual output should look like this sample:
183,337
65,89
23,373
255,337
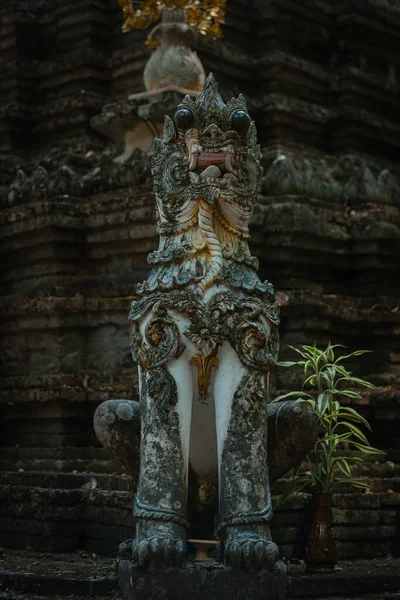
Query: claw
126,548
247,551
272,554
259,555
180,552
159,552
143,553
169,552
156,550
235,554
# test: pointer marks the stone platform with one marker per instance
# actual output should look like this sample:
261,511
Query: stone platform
211,581
27,575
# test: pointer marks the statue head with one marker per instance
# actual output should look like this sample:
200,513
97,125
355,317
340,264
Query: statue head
217,144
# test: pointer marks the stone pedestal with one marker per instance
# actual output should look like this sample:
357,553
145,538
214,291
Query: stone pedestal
201,581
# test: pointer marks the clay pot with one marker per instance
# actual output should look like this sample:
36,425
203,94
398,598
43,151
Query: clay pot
321,550
202,549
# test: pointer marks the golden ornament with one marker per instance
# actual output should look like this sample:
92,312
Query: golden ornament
204,16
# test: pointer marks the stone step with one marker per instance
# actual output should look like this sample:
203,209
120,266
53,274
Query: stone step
51,519
11,595
35,576
97,460
115,595
358,578
61,511
384,596
66,452
70,481
23,585
80,465
376,485
49,575
66,459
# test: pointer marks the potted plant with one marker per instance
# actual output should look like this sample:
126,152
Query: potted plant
326,383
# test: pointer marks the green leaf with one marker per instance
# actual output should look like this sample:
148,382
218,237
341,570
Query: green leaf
307,365
323,402
328,377
356,353
355,431
356,459
291,394
324,421
346,374
350,413
344,466
360,484
367,449
355,482
297,484
310,380
330,350
303,354
287,363
313,350
345,417
309,401
362,382
336,437
337,346
349,393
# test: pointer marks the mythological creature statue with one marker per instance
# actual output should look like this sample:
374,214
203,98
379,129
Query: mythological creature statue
205,334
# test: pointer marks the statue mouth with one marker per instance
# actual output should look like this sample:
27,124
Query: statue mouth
210,164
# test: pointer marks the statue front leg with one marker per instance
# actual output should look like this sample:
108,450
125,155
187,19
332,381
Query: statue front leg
165,403
245,501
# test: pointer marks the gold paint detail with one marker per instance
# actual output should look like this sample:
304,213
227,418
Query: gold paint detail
204,366
142,360
180,228
206,496
227,224
205,17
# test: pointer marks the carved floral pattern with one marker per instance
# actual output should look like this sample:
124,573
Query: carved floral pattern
250,325
161,344
204,366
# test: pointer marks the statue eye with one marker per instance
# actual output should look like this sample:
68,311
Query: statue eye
240,121
184,118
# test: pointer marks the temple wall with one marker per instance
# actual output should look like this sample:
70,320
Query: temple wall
322,82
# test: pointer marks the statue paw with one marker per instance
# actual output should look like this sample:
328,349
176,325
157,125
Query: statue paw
250,551
125,549
158,551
